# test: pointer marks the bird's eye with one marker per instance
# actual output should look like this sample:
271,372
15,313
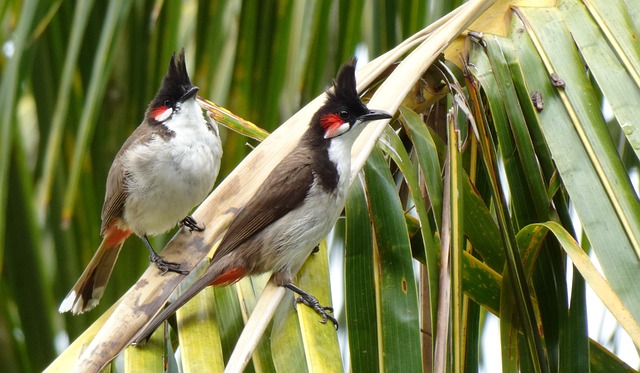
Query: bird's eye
343,114
167,103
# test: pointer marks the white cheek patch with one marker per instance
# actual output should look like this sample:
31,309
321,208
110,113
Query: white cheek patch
163,115
337,130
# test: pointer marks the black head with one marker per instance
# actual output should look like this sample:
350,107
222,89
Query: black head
343,109
176,88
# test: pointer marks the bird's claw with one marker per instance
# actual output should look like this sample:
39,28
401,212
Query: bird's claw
165,266
191,224
321,310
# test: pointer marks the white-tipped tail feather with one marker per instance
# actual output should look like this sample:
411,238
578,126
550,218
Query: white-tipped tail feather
68,302
88,290
74,303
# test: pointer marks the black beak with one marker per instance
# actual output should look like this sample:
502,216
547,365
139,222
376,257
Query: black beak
374,115
189,94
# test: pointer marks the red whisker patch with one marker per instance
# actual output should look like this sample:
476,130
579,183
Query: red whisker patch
333,125
330,121
161,113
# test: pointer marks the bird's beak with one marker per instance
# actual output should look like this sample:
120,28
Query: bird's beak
190,93
374,115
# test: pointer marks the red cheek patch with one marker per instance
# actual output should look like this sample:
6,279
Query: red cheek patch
162,113
333,125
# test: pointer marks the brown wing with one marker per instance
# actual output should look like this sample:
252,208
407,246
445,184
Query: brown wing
114,197
116,193
282,191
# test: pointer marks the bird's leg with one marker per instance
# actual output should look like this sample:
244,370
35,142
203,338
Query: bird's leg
163,265
191,223
312,302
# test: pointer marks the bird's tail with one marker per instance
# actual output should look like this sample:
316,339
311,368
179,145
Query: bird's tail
214,275
88,290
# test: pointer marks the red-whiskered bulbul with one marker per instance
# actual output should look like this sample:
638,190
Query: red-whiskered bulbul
166,167
295,207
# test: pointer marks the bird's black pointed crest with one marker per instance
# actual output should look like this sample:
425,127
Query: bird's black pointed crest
344,87
343,104
344,94
175,83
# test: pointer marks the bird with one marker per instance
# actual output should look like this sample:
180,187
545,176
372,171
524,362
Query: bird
167,166
294,208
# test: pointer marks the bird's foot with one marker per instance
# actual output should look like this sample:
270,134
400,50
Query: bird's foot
313,302
321,310
165,266
315,249
191,224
